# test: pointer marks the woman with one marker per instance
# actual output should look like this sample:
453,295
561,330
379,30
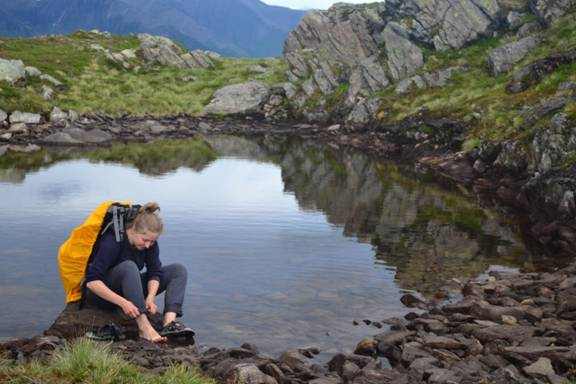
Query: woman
113,276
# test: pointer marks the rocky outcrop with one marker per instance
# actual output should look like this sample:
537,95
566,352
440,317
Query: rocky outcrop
365,48
24,117
163,51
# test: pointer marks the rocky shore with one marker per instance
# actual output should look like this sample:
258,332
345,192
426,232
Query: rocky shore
506,327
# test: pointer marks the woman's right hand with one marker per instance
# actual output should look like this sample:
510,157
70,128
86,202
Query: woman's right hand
130,309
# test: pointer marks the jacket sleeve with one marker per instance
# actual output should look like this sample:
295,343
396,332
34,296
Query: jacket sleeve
105,257
153,263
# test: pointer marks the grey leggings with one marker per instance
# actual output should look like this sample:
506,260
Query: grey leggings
126,280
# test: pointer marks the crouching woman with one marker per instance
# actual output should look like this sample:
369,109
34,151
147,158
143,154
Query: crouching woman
114,277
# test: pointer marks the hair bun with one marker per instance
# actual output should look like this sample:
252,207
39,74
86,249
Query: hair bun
151,207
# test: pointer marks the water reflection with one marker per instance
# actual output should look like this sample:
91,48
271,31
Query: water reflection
264,265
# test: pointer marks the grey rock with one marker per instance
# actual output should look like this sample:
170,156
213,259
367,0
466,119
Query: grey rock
163,51
47,93
24,117
3,150
247,373
61,138
529,29
295,360
548,11
6,136
245,98
512,157
435,79
32,71
3,116
258,69
51,79
58,115
12,70
442,376
541,368
404,57
503,58
447,24
514,19
289,90
204,127
129,54
364,111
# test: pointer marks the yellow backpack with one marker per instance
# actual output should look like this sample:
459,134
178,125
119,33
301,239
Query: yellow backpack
74,254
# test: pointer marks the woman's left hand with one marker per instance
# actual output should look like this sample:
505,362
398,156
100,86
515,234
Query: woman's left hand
151,306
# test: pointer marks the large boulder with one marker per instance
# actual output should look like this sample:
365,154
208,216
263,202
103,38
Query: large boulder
161,50
239,99
503,58
12,70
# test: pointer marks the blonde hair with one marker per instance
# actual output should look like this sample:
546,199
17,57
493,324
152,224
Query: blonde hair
148,219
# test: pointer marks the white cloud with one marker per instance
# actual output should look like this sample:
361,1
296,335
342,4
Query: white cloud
312,4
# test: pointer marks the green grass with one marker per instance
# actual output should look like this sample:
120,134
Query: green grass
95,85
481,99
85,361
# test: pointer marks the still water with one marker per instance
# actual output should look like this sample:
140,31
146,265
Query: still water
286,242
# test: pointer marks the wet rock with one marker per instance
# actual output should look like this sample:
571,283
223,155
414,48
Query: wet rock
25,117
412,301
502,59
295,360
248,374
239,99
11,70
442,342
366,347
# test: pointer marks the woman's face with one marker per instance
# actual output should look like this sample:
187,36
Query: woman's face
142,241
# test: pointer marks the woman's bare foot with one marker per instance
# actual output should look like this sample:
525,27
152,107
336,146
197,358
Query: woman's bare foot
147,331
152,336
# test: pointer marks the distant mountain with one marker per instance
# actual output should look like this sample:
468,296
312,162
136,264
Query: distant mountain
230,27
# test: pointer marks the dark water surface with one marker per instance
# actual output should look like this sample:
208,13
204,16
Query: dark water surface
286,243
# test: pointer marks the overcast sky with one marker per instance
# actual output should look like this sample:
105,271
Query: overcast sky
309,4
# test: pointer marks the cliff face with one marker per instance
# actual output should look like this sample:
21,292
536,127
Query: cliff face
351,52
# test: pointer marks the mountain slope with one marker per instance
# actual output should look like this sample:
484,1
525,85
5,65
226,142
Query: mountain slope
230,27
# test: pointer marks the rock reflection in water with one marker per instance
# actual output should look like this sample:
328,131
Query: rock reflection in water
429,234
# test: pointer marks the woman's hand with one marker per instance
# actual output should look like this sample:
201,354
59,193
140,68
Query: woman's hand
151,306
130,309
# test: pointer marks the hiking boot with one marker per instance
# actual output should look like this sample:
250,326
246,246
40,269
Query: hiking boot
108,332
176,329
